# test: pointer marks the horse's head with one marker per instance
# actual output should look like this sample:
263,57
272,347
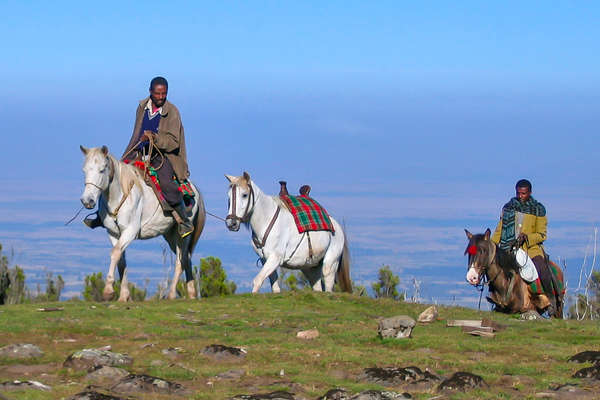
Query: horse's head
481,252
98,170
241,201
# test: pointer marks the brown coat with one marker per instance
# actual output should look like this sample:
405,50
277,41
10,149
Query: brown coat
170,138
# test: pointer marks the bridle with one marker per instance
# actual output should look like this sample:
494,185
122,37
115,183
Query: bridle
246,216
485,279
111,175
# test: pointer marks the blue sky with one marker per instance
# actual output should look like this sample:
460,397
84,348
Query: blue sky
410,120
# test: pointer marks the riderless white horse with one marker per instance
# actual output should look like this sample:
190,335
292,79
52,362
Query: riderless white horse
277,242
130,210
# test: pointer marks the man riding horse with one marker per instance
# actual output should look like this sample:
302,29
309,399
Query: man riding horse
523,224
157,122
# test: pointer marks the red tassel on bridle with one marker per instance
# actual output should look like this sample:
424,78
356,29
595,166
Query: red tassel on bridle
472,250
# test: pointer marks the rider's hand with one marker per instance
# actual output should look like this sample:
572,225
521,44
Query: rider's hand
147,135
521,239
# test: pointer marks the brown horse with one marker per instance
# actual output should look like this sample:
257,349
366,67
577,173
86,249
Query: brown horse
507,290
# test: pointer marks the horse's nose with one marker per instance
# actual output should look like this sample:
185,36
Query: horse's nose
232,224
88,203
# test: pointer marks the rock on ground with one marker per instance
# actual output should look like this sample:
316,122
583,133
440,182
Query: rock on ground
308,335
591,372
21,385
134,383
586,356
398,327
105,373
394,376
377,395
93,395
462,381
221,352
24,350
429,315
91,358
278,395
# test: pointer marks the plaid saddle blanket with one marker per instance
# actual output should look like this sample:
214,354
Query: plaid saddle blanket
184,187
308,214
535,287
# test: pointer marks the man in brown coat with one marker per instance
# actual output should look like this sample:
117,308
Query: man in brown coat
159,120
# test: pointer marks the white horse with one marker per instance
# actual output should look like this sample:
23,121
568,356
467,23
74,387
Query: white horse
277,242
130,210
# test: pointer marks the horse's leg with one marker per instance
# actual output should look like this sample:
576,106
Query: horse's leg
175,244
314,275
331,263
274,279
122,265
272,263
118,250
186,265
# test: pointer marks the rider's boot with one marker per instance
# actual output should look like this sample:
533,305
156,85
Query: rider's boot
185,227
93,223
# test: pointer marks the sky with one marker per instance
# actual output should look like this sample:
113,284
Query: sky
410,120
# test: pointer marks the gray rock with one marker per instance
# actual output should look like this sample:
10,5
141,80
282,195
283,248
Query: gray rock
21,385
335,394
586,356
377,395
93,395
220,352
569,392
591,372
462,381
21,351
278,395
429,315
105,373
532,316
90,358
398,327
393,376
134,383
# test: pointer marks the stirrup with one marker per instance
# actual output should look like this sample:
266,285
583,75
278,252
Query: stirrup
92,223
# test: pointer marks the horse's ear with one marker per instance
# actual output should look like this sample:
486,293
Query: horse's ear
84,150
246,176
488,233
469,234
105,150
230,178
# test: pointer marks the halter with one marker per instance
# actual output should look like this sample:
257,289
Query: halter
484,274
111,175
246,216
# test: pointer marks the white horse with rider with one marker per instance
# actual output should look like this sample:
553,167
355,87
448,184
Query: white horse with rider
322,256
130,210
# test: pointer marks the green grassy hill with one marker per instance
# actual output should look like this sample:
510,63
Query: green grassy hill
525,358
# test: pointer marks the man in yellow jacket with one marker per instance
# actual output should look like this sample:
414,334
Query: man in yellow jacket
523,224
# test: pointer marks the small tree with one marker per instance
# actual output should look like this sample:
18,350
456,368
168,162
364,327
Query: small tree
293,280
17,291
386,287
93,287
4,277
212,278
588,306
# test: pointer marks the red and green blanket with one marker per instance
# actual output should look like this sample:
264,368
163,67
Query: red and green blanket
308,214
535,287
184,187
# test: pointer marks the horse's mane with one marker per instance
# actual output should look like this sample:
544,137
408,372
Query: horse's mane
128,174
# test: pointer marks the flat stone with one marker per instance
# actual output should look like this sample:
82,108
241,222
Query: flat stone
398,327
429,315
378,395
568,392
278,395
93,395
221,352
134,383
308,335
20,351
106,373
591,372
532,316
335,394
586,356
462,381
90,358
21,385
394,376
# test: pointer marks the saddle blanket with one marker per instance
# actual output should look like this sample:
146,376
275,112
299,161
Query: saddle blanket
535,287
308,214
184,187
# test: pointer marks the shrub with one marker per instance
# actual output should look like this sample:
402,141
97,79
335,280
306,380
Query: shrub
212,278
386,287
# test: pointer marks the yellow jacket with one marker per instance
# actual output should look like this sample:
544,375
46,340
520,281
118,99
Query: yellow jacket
534,227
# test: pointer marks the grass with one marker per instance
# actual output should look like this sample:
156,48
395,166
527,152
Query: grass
266,326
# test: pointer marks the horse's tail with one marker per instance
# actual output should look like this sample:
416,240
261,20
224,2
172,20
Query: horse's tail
343,272
198,221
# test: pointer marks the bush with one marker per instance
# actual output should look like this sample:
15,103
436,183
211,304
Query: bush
386,287
212,278
93,287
